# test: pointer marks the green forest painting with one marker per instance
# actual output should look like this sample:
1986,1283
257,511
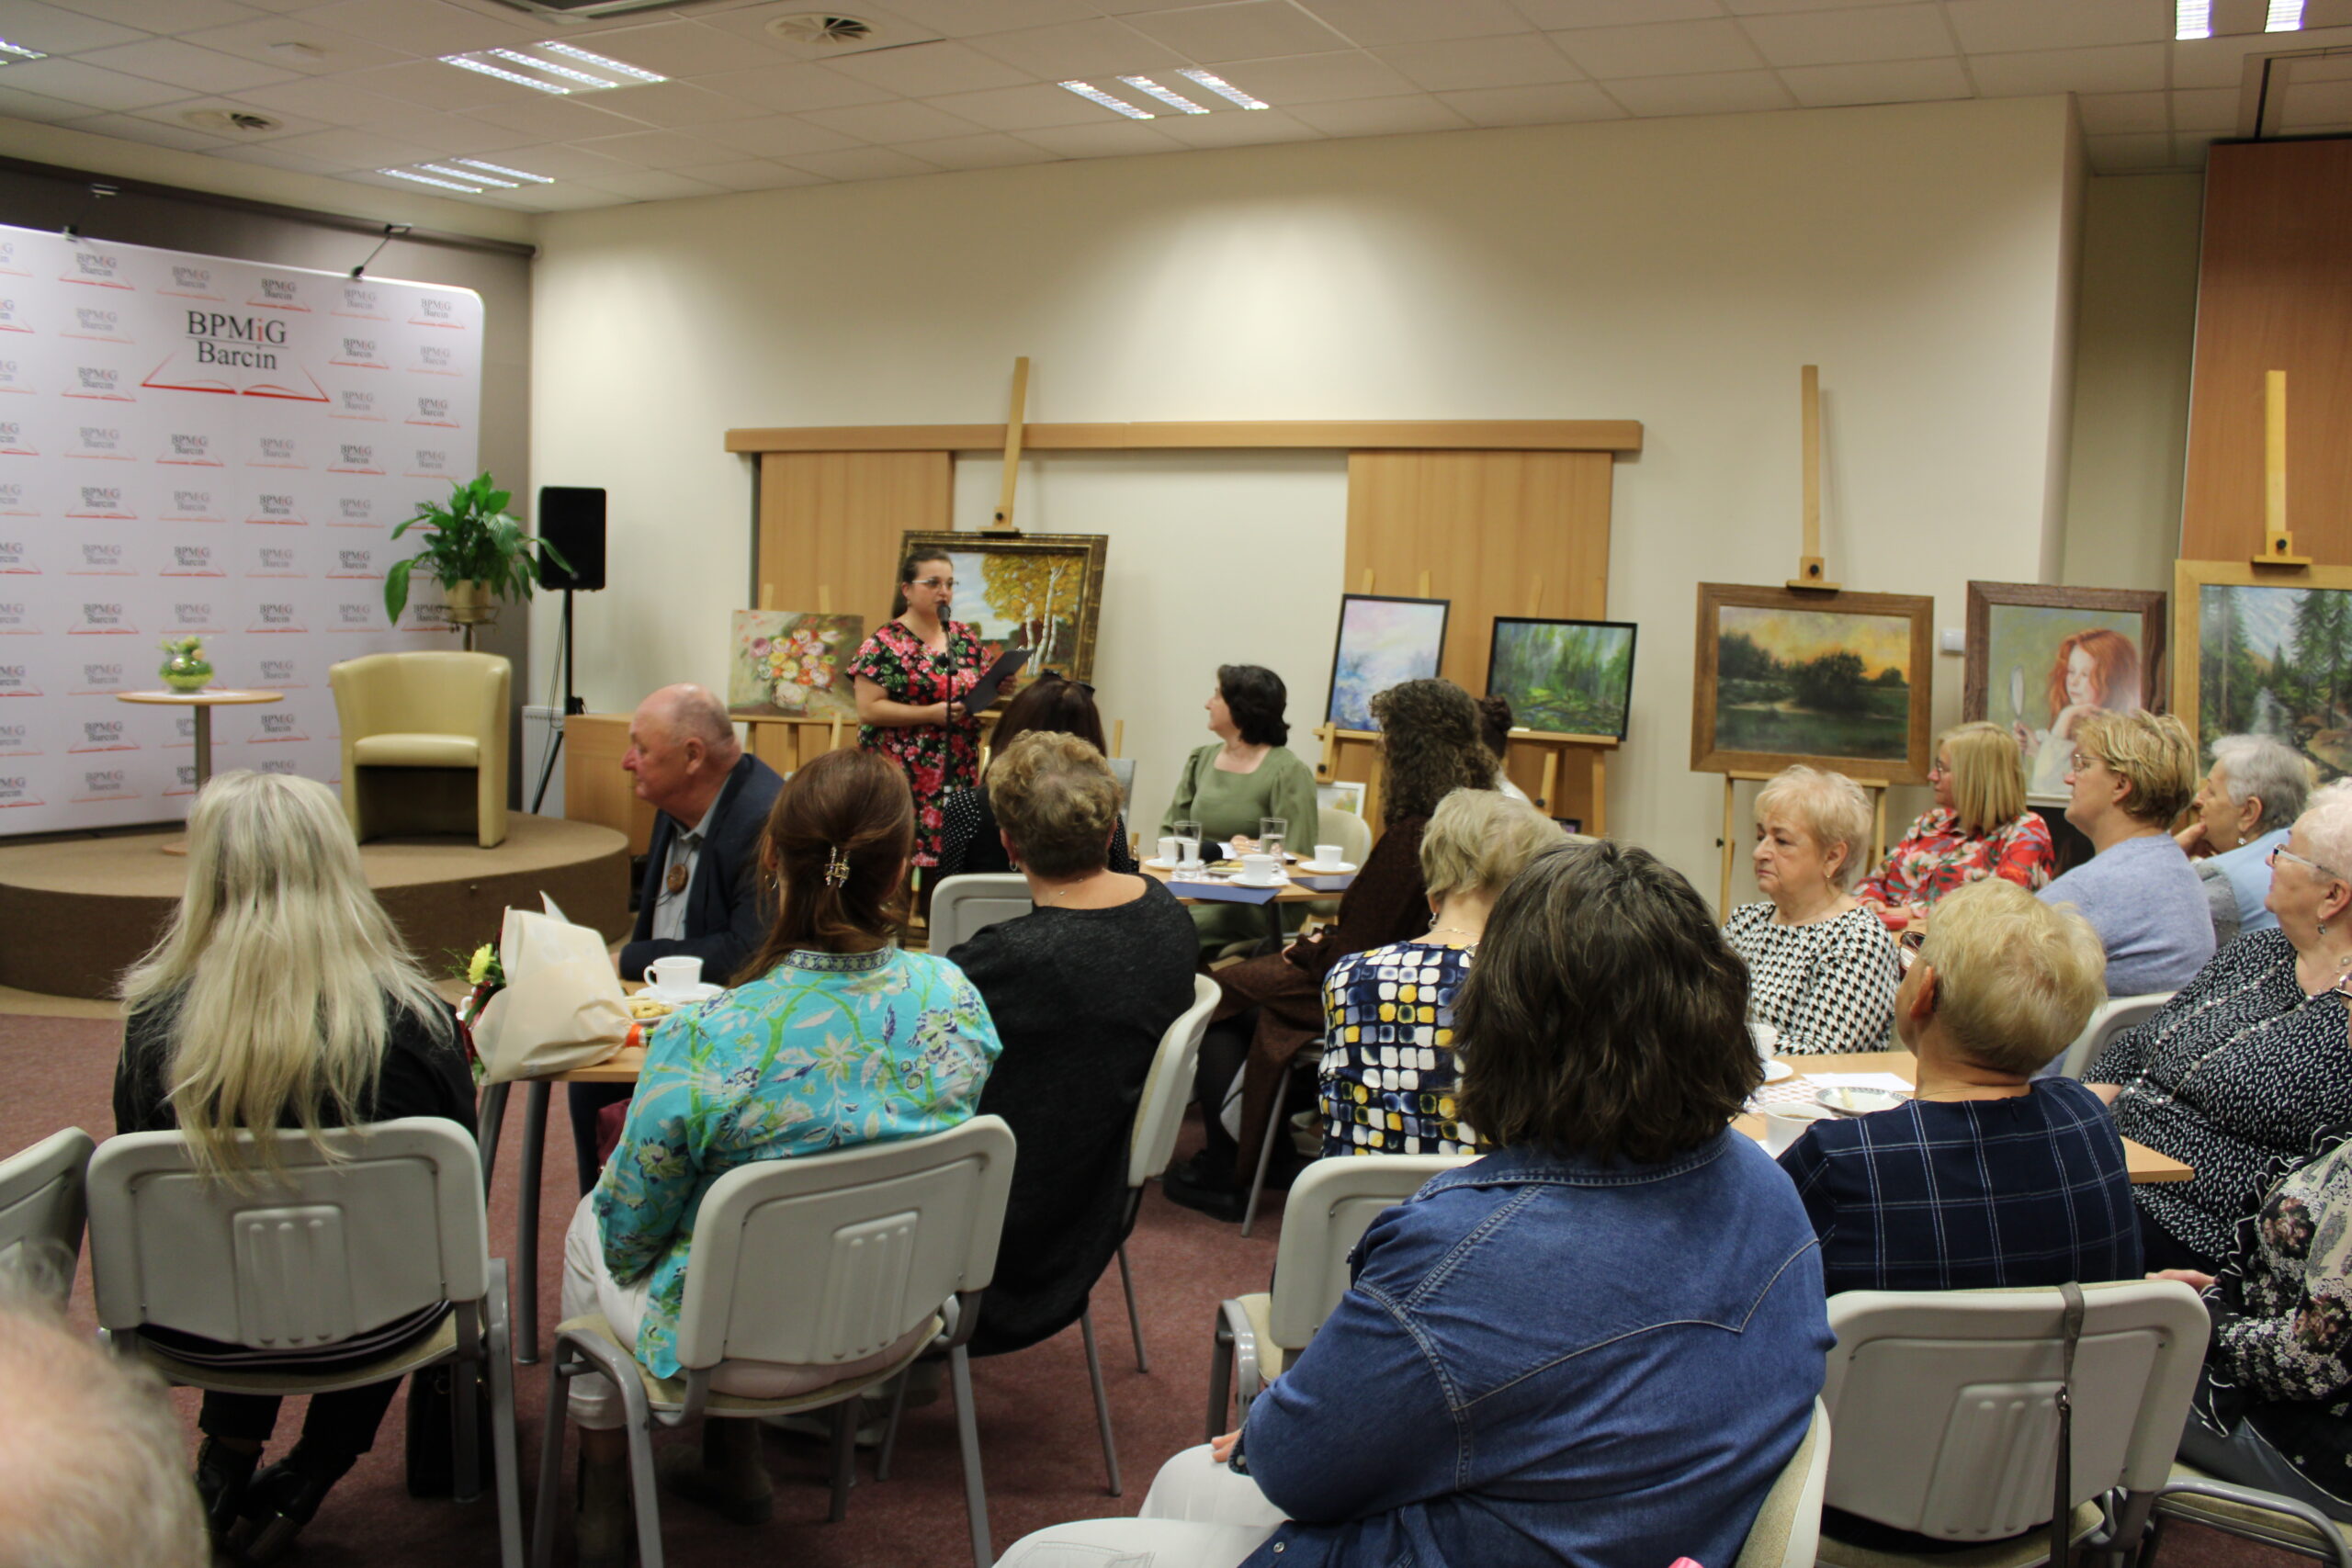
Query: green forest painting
1563,677
1812,682
2278,661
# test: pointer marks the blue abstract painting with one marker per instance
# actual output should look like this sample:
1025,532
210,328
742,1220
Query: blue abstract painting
1382,643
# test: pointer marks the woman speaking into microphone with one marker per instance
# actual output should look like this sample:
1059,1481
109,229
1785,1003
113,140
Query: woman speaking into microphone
912,676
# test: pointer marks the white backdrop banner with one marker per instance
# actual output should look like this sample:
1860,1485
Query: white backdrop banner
195,446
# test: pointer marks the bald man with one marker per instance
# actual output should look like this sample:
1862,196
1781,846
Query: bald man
702,895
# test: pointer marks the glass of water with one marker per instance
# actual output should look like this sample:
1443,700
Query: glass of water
1271,833
1188,846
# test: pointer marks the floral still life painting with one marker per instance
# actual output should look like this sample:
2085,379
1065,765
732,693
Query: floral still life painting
791,664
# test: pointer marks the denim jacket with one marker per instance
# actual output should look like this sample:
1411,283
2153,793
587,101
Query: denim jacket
1546,1359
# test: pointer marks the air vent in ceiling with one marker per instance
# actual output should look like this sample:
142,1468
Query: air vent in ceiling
238,121
824,28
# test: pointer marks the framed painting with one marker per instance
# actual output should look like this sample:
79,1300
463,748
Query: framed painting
1837,681
792,664
1342,796
2263,651
1381,641
1562,677
1042,591
2039,658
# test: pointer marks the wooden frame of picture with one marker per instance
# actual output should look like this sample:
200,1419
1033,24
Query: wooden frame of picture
1976,695
2328,746
1522,712
1712,752
1332,714
1072,656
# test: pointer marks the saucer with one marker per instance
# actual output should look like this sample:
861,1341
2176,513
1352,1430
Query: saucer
1156,864
1240,881
1775,1071
1858,1101
686,997
1326,867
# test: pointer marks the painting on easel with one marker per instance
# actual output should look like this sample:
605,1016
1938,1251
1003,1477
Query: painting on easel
1042,591
1563,677
1838,680
2041,659
2259,651
790,664
1383,641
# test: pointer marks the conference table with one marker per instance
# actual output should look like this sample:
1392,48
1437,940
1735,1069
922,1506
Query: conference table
1299,887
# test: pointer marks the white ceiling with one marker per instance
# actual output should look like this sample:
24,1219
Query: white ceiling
971,83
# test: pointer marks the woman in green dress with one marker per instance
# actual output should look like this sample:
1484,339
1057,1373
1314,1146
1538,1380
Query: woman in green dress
1248,774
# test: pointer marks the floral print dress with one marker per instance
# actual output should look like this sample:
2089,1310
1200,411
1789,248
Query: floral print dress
938,758
824,1051
1937,855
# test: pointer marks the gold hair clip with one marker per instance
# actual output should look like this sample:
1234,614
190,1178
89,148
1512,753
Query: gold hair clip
836,867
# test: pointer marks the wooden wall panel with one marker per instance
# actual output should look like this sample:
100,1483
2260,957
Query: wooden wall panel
2274,292
832,519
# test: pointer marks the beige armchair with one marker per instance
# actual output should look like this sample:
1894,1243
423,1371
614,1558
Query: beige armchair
424,743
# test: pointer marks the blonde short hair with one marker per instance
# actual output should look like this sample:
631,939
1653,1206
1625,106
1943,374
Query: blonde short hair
1477,840
1830,807
1987,776
1056,796
2015,978
2150,751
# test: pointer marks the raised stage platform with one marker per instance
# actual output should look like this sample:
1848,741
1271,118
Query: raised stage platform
74,914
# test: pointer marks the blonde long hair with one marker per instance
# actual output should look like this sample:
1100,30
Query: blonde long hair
272,979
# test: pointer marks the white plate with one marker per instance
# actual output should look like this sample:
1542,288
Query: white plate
1156,864
1775,1071
683,998
1326,868
1850,1101
1248,882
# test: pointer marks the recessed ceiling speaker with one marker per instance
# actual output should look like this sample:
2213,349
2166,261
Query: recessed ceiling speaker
571,518
244,121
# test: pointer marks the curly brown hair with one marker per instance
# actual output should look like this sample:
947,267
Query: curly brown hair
1429,747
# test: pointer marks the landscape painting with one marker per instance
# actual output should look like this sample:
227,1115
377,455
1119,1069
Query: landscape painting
2041,659
1835,680
1042,591
793,664
1382,642
2272,655
1563,677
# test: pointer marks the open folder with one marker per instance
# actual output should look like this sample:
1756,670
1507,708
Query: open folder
978,699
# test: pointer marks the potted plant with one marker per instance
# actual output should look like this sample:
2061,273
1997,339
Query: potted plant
473,550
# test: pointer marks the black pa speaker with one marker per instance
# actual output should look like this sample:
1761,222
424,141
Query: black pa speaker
572,520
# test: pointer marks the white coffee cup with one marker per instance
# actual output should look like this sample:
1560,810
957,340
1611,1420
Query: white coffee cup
1766,1039
1327,854
1784,1124
1260,869
674,974
1168,849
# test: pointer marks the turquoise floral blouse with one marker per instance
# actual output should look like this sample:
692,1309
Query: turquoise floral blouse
824,1051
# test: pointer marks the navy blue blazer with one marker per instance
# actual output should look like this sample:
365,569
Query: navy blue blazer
727,905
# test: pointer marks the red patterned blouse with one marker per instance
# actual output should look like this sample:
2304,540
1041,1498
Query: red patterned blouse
1937,855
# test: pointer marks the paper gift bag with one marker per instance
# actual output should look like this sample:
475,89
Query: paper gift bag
562,1007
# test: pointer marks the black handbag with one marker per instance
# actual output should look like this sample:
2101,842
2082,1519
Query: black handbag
431,1443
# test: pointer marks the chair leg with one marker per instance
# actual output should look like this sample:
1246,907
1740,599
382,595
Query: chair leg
967,1438
1220,1377
488,1119
1265,1157
642,1496
526,1222
466,1444
1134,1320
543,1509
504,1459
845,1416
1102,1401
890,1428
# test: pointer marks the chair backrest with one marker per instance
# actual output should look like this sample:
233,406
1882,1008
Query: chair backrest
421,694
972,902
1124,770
1168,1089
330,1251
832,1257
1945,1402
1346,828
42,1208
2111,1018
1331,1206
1787,1531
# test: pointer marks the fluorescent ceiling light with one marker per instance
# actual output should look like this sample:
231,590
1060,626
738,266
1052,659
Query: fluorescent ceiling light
566,72
487,69
598,61
532,65
522,174
1224,89
2286,17
1176,101
462,175
429,180
2192,18
11,52
1093,94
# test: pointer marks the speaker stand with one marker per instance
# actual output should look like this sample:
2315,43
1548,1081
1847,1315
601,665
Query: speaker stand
571,704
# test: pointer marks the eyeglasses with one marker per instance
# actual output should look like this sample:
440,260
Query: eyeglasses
2082,760
1940,769
1913,940
2283,853
946,582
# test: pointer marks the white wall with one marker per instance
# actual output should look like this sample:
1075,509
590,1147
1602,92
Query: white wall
1677,272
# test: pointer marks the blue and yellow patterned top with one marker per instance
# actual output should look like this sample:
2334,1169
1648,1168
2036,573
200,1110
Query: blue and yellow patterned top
824,1051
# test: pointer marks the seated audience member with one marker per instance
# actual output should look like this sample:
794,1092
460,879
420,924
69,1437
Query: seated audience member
1246,775
1984,1178
280,996
703,896
1600,1344
90,1458
1495,719
2247,802
2246,1064
1272,1006
2132,774
1389,1066
969,839
1080,989
839,1038
1821,969
1979,826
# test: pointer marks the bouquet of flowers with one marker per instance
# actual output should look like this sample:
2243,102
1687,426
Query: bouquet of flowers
482,970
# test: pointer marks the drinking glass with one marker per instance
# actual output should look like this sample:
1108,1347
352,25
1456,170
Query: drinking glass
1188,845
1271,832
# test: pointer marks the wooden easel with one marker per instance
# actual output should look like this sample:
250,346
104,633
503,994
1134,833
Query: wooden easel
1016,425
2277,543
784,740
1877,787
1812,571
1561,753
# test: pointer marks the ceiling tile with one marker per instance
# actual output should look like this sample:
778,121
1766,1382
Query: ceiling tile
78,83
1782,7
438,86
457,135
1663,48
863,163
2127,154
968,19
424,26
2117,68
1718,92
1506,59
1558,104
1238,128
33,106
183,64
781,137
1381,117
992,150
355,149
683,49
791,88
1550,13
2216,61
654,187
2107,114
155,133
55,30
1031,107
930,70
1890,82
269,154
2213,109
1099,48
565,163
1112,138
660,149
1249,31
562,198
164,16
751,174
333,52
1842,38
901,121
553,119
1319,78
1987,26
676,102
289,124
2189,149
1368,24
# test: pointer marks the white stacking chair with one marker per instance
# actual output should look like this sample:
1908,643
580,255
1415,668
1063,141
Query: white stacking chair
1787,1531
2251,1514
41,1211
383,1222
1159,1116
1124,770
2111,1018
819,1260
1331,1205
1346,828
1945,1407
972,902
